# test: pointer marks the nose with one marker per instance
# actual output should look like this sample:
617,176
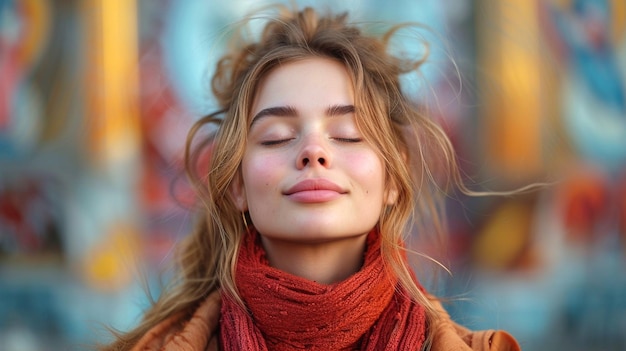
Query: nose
314,153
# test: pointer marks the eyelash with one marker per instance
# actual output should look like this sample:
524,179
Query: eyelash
349,140
282,141
274,142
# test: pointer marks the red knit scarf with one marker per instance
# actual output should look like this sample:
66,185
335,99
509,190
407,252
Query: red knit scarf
367,311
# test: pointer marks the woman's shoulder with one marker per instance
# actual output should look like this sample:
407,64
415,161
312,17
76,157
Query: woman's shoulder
199,332
451,336
181,332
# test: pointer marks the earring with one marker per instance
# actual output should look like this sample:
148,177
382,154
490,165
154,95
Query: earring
245,222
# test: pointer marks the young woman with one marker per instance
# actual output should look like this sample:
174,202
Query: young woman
317,165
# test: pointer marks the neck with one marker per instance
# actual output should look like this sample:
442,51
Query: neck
325,262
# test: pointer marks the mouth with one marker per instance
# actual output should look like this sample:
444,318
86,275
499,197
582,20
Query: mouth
314,191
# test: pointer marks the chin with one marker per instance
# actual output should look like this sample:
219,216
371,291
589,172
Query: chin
313,235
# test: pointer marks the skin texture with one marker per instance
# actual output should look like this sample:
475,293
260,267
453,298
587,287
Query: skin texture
312,185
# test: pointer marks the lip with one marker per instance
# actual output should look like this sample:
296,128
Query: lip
314,190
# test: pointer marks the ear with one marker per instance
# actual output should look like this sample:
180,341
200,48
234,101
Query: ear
391,191
391,194
238,193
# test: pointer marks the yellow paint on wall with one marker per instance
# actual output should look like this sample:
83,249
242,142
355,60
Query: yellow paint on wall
618,11
510,58
112,110
38,13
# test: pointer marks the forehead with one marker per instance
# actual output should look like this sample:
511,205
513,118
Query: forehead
307,84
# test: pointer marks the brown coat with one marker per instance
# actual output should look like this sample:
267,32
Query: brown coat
200,333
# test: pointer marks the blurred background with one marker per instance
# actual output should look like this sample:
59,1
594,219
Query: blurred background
96,97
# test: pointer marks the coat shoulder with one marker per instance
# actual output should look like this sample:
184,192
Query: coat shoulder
451,336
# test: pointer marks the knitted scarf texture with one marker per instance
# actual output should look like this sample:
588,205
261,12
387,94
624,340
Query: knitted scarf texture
367,311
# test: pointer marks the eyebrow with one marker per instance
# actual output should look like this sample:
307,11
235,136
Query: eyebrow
290,111
339,110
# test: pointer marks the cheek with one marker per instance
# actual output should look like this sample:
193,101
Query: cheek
367,169
261,174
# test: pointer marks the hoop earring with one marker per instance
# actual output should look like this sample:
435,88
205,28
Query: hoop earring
245,222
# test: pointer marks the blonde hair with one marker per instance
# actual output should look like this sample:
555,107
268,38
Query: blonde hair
404,137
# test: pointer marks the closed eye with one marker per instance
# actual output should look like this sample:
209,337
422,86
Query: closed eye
349,140
275,142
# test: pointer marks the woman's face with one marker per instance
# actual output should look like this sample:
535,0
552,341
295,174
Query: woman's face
307,173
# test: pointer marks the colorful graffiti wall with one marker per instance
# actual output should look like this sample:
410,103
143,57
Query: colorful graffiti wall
97,96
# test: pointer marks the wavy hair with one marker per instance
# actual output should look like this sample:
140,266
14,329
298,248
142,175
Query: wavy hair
413,149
